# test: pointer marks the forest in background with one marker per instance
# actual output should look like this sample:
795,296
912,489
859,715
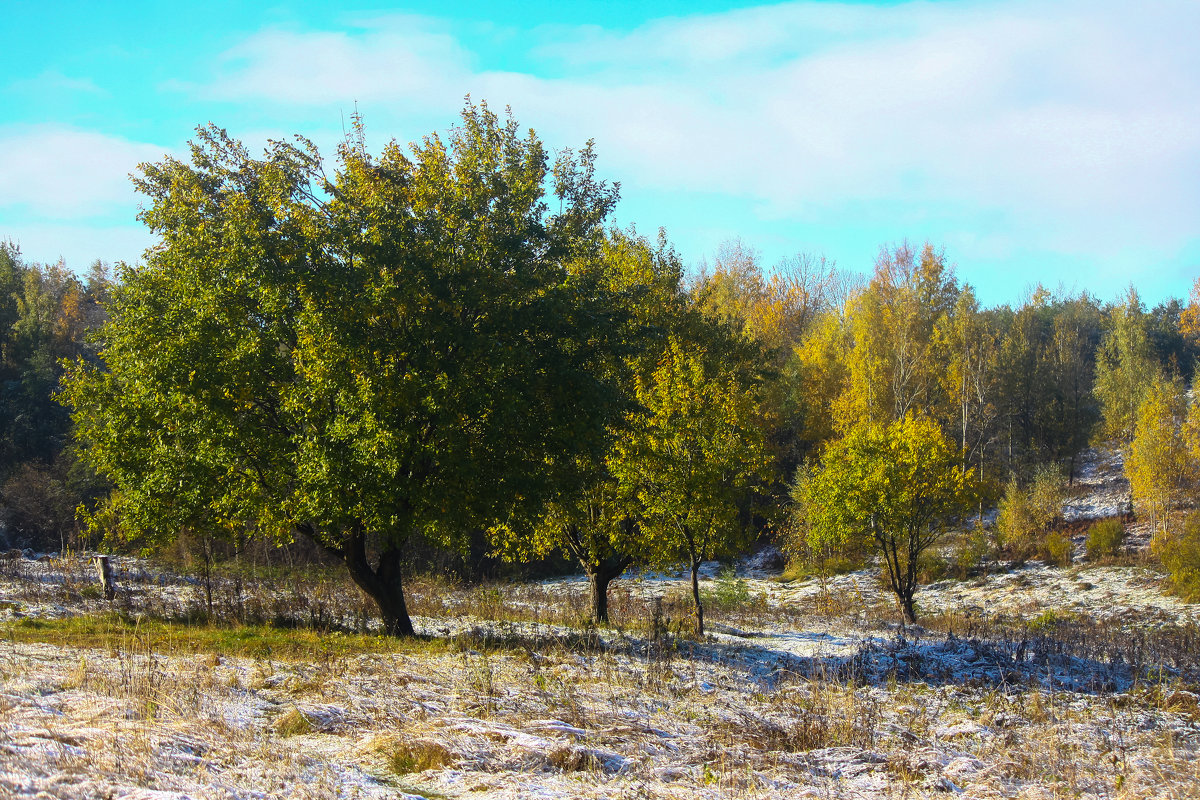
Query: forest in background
756,372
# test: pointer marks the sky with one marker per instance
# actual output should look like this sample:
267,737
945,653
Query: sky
1035,142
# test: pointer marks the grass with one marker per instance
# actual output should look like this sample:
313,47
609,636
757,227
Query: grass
115,630
293,722
418,755
729,730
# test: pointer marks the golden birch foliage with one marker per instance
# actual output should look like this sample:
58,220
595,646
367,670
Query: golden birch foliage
897,359
1026,516
1159,465
774,309
815,377
970,374
1189,320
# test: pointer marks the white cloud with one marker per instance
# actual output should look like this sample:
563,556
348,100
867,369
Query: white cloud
55,81
1076,124
64,173
397,57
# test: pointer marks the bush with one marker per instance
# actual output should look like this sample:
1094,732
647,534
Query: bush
1104,539
38,508
1027,515
1180,554
931,568
1056,550
732,591
807,559
970,553
38,504
732,594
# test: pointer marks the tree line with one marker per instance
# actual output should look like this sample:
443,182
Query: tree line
450,340
46,312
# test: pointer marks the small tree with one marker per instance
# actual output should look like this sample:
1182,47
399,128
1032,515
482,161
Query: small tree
1027,515
1180,554
1159,465
590,517
897,486
1125,368
693,453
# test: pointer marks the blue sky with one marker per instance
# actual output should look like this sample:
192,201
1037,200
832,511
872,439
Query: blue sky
1053,142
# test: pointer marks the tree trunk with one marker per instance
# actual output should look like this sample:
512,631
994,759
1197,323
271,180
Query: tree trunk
104,574
908,607
382,583
599,586
696,598
600,575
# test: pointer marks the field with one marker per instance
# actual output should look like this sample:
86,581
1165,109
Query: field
1034,681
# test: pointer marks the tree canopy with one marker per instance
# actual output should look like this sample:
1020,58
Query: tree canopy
895,487
404,348
694,450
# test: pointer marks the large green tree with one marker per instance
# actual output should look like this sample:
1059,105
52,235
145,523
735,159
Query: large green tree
895,487
402,349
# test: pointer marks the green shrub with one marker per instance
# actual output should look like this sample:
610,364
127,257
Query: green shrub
1104,539
1026,515
1050,619
970,552
1056,550
807,559
931,568
1180,554
732,594
732,591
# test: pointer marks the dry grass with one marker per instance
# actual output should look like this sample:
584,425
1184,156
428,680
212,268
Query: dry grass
499,707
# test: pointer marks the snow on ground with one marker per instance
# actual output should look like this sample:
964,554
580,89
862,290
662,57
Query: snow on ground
1101,487
806,689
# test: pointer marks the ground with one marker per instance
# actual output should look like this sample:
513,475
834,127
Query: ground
1034,682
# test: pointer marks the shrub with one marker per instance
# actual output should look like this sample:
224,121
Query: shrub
1180,554
820,559
1056,550
970,552
931,568
1026,515
419,755
732,591
1104,539
38,508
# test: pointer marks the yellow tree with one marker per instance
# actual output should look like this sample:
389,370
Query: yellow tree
776,310
1125,368
970,375
1189,320
898,355
1159,463
813,379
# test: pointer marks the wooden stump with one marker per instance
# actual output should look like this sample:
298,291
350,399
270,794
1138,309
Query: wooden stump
104,573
